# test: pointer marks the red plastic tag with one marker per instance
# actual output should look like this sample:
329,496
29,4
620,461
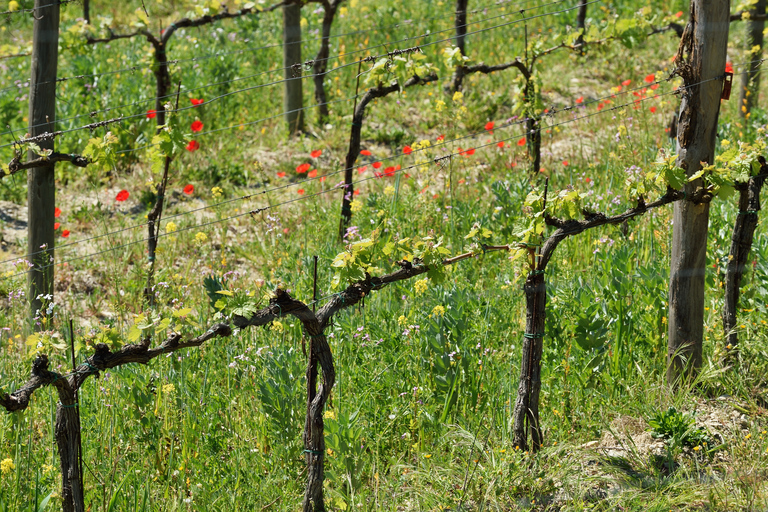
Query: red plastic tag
727,82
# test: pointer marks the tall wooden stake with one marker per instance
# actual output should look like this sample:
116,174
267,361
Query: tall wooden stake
41,190
700,62
294,98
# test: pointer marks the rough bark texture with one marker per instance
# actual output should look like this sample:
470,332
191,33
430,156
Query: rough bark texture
526,412
741,244
354,141
700,58
293,100
162,79
321,60
750,77
41,189
460,21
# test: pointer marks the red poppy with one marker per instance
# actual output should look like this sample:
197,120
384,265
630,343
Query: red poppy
565,163
728,67
489,126
196,102
57,212
441,138
678,14
151,114
357,192
587,180
580,99
323,178
303,168
281,175
376,165
626,82
361,170
655,86
469,152
300,191
193,146
378,174
407,150
197,126
122,195
521,142
365,152
189,190
653,110
316,153
389,171
312,173
500,144
599,106
650,78
65,233
56,225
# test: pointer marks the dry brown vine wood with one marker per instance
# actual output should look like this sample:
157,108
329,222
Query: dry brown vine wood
355,135
282,304
526,410
741,244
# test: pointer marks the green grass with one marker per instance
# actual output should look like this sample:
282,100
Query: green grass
420,417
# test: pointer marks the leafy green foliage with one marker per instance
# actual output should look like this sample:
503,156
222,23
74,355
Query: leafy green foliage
399,68
679,429
45,342
168,143
102,151
453,58
147,324
213,284
663,173
734,165
355,261
238,303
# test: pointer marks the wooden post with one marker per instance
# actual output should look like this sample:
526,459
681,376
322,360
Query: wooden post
41,191
87,11
293,100
460,22
700,62
750,77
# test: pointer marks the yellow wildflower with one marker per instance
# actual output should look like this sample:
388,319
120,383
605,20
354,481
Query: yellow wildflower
6,466
438,311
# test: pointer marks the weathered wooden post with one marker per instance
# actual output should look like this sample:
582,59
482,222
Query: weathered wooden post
294,98
41,191
700,62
